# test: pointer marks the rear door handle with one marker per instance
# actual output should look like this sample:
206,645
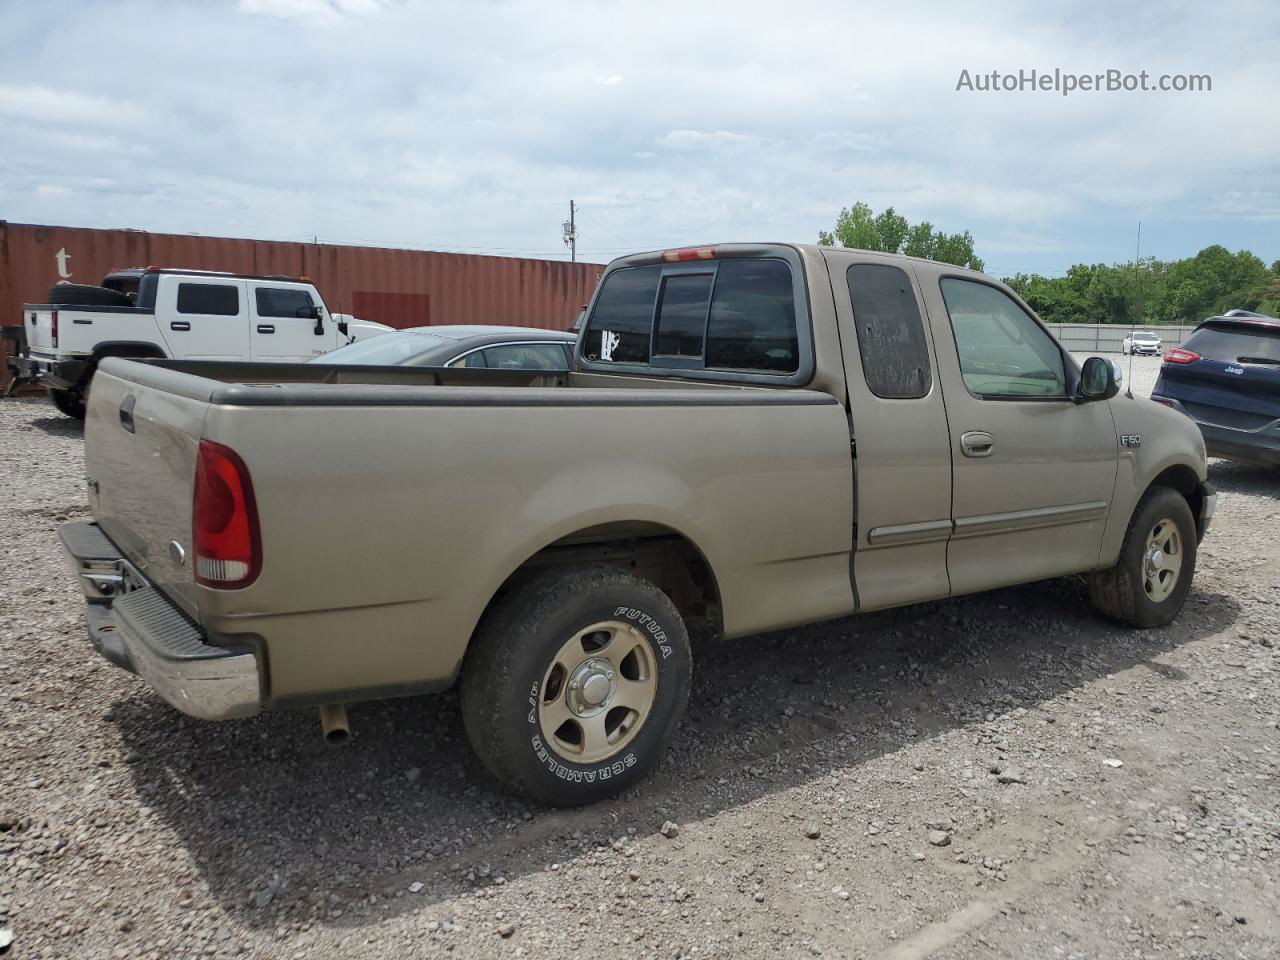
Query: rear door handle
179,325
977,443
266,328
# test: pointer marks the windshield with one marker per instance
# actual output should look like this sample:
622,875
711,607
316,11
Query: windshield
1145,336
387,349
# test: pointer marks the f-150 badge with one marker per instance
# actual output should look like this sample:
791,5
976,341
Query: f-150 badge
1131,440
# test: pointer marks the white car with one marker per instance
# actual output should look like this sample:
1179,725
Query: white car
175,314
1141,342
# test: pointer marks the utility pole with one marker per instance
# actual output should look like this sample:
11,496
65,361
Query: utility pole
570,229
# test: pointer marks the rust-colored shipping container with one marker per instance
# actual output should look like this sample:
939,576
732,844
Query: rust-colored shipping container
402,288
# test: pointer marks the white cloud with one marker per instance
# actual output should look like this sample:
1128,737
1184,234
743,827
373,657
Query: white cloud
52,106
320,12
698,140
472,125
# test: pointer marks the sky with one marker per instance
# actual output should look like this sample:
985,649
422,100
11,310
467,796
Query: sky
470,126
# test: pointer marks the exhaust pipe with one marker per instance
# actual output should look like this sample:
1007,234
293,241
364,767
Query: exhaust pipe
333,724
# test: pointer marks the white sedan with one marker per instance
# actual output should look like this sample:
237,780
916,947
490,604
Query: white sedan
1140,342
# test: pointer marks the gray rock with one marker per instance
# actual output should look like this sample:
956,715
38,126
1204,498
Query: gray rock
939,838
670,830
812,831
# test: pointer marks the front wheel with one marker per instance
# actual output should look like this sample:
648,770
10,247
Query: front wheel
575,683
1150,581
70,402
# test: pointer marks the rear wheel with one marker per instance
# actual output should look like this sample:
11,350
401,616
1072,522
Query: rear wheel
70,402
575,683
1150,581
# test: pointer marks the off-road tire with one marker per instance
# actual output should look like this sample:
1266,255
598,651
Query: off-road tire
69,402
1118,592
86,295
515,645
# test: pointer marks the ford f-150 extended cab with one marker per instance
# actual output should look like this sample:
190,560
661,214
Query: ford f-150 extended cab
751,436
180,314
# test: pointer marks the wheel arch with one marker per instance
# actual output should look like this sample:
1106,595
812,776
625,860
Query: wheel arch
1186,481
652,550
127,348
135,349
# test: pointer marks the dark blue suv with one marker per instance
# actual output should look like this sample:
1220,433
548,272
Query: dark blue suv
1226,377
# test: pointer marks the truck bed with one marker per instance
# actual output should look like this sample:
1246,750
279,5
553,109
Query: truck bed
394,502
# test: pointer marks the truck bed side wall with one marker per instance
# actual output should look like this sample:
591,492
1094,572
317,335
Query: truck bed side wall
387,530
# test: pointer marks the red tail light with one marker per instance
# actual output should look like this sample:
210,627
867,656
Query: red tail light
1178,355
689,253
53,326
224,520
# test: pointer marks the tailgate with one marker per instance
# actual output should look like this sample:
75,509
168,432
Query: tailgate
39,322
140,454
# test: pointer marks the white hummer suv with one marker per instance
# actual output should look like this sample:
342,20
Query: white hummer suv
176,314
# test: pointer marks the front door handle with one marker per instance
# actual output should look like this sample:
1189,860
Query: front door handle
977,443
179,325
266,328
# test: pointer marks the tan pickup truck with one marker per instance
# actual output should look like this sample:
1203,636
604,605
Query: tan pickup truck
751,437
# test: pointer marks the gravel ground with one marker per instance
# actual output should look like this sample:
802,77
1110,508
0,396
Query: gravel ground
1004,775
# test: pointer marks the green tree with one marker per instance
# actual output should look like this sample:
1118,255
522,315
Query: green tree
1151,291
860,228
1213,281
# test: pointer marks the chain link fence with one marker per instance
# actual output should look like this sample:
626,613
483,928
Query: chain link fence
1107,337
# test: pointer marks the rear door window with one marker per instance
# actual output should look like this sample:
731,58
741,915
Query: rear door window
891,339
728,315
1232,344
209,299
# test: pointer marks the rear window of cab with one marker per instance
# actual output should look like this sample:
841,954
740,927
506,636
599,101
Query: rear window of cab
716,315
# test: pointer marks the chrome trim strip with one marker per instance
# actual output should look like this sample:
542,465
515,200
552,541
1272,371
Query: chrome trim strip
926,531
995,523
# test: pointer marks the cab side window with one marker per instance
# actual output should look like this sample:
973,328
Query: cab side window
283,302
209,299
891,340
1004,354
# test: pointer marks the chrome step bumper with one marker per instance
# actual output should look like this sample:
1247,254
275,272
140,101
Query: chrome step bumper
135,626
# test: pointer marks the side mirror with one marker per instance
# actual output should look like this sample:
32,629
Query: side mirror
1099,380
318,313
